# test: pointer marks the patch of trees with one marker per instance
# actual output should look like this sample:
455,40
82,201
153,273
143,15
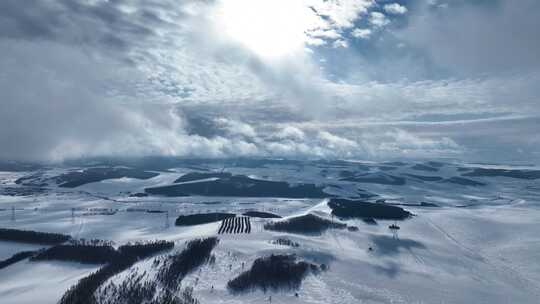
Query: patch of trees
155,211
144,249
369,221
177,266
285,242
305,224
33,237
422,204
235,225
274,272
169,297
22,191
136,288
344,208
202,218
16,258
83,291
133,289
87,254
260,214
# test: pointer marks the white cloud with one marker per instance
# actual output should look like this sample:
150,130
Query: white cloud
436,3
236,128
378,19
395,8
290,132
122,97
315,42
341,13
330,34
477,39
341,43
362,33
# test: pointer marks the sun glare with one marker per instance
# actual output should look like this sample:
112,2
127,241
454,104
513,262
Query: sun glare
269,28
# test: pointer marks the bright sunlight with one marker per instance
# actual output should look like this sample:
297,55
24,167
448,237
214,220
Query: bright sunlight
269,28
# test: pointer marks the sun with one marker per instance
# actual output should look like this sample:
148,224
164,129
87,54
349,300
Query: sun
269,28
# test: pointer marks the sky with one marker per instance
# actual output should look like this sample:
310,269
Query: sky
302,79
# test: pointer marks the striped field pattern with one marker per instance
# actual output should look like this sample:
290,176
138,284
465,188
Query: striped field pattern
235,225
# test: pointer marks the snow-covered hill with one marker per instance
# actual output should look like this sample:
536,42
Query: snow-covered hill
480,245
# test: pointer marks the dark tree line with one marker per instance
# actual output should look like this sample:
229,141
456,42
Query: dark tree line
285,242
34,237
202,218
99,252
170,297
144,249
344,208
88,254
261,214
274,272
83,291
304,224
177,266
135,289
16,258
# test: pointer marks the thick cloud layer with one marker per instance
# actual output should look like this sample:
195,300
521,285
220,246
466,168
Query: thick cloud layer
371,79
483,37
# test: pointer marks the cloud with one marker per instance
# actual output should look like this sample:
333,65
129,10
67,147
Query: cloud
362,33
401,141
289,132
85,79
479,37
236,128
341,13
327,34
340,44
89,78
395,8
378,19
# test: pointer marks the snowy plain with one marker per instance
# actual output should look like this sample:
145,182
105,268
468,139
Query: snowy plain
481,245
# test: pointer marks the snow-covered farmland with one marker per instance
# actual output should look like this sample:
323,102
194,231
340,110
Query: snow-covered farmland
480,245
